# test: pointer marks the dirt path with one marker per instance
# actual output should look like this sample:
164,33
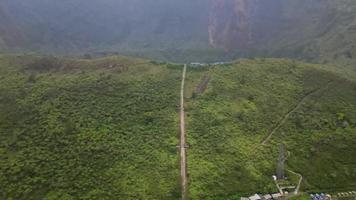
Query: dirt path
296,191
297,188
183,158
296,107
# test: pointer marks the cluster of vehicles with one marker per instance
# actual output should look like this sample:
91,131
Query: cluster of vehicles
321,196
346,194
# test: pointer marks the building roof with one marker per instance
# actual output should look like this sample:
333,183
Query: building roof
267,196
276,195
244,198
255,197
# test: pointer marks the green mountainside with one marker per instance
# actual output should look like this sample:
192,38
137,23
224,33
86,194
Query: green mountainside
79,129
108,128
241,106
78,121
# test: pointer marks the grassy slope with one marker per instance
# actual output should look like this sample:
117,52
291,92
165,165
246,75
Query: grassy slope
83,130
242,104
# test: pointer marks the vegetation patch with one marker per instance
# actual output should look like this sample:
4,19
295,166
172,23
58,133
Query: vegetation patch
244,102
97,134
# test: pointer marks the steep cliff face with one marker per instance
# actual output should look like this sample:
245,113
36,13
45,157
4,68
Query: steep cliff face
243,24
230,23
287,28
310,29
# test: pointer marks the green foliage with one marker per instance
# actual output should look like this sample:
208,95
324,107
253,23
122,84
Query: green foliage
102,134
241,106
174,66
301,197
107,128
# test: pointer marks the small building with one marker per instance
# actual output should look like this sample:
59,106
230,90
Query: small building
274,177
267,197
276,196
195,64
244,198
255,197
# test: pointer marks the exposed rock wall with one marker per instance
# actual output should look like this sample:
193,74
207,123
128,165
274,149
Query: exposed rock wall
284,27
230,23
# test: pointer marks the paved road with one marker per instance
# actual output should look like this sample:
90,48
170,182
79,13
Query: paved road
183,158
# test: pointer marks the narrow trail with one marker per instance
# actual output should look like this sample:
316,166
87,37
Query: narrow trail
286,116
296,191
182,147
297,188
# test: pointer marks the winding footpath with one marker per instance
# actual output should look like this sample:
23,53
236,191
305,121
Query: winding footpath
296,191
295,108
297,188
182,146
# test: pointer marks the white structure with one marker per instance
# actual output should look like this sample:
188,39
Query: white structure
255,197
197,64
267,197
276,196
274,177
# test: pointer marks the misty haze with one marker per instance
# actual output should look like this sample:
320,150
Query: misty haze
177,99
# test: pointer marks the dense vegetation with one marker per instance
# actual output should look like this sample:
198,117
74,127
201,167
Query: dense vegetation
108,128
79,129
244,102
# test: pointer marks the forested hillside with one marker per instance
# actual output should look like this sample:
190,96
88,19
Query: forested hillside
240,107
78,121
79,129
108,128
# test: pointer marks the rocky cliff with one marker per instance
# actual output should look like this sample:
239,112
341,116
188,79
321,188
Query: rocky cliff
230,23
241,24
311,29
165,29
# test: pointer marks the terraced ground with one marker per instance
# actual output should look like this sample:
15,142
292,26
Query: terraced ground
244,102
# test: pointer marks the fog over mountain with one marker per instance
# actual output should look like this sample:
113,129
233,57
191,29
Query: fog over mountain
305,28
